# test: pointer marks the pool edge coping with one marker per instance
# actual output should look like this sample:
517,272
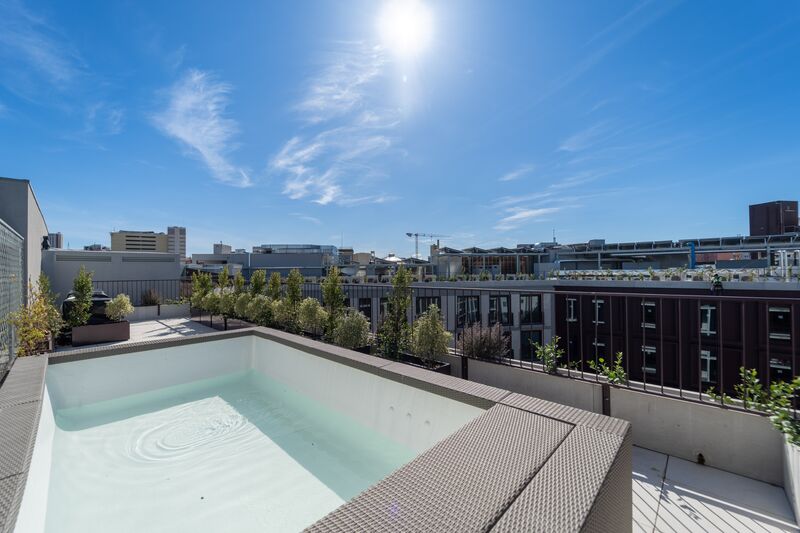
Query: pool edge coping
26,386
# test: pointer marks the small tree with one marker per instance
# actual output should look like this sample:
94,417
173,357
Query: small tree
238,283
333,299
240,308
119,307
81,309
352,330
312,316
201,285
224,278
483,343
227,304
294,287
211,304
395,334
258,282
274,287
430,339
549,354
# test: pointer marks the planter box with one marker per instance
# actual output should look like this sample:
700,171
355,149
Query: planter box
97,333
791,475
363,349
440,367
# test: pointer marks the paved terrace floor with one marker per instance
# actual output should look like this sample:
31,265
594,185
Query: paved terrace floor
669,494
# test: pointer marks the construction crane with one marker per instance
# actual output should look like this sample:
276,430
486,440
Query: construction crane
416,240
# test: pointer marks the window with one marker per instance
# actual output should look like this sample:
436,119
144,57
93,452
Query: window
600,347
650,360
780,323
528,342
572,314
649,315
708,366
468,311
424,302
708,319
780,370
365,306
530,309
500,310
599,312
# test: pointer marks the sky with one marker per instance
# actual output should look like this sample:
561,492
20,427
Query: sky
354,122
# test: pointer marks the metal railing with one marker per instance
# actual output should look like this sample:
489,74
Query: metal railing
147,292
673,344
12,290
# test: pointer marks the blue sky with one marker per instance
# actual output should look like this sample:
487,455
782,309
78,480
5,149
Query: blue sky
494,123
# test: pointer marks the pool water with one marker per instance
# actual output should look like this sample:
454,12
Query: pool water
240,452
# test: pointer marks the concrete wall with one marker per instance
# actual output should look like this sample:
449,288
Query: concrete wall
563,390
735,441
61,266
20,210
791,476
739,442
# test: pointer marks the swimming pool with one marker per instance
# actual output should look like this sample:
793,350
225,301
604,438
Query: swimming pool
242,434
258,430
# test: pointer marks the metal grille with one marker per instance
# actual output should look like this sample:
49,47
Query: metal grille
11,282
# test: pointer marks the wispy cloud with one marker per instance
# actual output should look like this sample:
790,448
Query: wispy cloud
335,160
307,218
104,118
584,138
342,86
517,173
519,216
195,115
29,44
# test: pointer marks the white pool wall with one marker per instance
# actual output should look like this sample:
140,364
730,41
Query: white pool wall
104,378
33,509
413,417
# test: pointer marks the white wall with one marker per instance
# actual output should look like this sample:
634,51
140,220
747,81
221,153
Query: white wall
410,416
33,510
61,266
561,390
735,441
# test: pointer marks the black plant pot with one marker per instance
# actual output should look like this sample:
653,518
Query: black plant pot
440,367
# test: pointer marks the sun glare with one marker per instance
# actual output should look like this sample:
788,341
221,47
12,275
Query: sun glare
405,27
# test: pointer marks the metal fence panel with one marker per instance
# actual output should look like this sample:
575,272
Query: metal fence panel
11,290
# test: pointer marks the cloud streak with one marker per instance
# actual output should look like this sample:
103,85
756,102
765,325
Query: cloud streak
519,216
335,159
195,115
517,173
30,40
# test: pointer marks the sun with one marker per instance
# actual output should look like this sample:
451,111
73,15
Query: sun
405,27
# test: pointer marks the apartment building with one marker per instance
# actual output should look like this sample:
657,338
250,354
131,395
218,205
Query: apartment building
139,241
176,240
56,240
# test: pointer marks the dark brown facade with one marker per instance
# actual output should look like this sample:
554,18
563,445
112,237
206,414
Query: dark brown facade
773,218
691,340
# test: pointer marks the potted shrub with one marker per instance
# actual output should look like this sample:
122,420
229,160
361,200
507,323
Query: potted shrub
240,307
352,331
117,329
312,317
549,354
478,342
260,310
429,341
38,321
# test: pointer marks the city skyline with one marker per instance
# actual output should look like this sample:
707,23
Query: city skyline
355,123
